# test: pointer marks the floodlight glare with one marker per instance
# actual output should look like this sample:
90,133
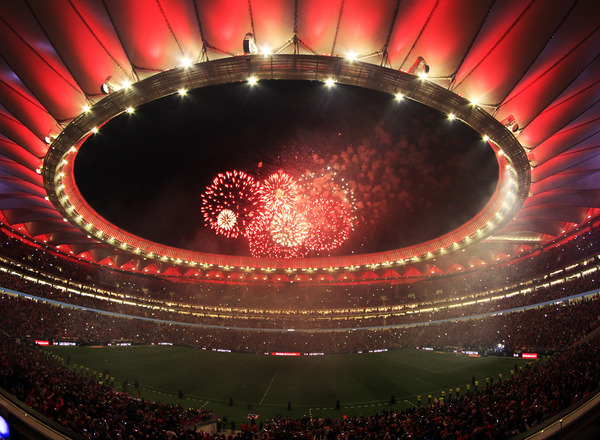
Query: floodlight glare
186,62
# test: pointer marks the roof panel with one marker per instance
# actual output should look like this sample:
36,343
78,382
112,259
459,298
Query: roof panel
146,34
440,32
182,17
363,29
33,59
273,22
562,60
89,54
579,95
225,23
544,57
586,150
19,102
317,24
572,135
500,56
14,130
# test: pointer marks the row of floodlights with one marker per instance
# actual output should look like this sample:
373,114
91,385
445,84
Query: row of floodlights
508,122
123,245
419,68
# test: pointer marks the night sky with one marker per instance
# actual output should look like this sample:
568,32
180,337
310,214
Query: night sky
415,175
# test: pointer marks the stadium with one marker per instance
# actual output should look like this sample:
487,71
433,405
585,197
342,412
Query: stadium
288,185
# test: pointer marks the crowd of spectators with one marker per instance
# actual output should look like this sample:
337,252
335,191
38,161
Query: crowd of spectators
214,316
499,411
297,319
549,328
321,296
85,406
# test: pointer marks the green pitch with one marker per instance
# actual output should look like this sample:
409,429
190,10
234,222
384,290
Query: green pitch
237,384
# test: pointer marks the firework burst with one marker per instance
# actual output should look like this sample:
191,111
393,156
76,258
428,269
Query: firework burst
289,228
278,191
261,240
330,224
230,203
282,217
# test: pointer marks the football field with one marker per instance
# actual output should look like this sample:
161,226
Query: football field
238,384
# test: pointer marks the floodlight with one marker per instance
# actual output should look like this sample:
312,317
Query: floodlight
50,137
249,44
109,86
510,123
419,68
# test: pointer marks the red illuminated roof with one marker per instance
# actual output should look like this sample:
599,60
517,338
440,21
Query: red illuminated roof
536,63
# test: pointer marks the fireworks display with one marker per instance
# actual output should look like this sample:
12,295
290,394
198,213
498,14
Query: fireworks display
330,224
226,219
262,243
280,216
288,227
279,191
230,203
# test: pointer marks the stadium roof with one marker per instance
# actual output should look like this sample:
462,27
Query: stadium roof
535,63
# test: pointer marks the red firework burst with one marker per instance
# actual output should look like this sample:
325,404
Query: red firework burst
330,223
262,243
279,190
230,203
289,228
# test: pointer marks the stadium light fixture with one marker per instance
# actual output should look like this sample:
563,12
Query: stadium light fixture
50,137
186,62
511,123
419,68
249,44
330,82
182,92
108,86
252,80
